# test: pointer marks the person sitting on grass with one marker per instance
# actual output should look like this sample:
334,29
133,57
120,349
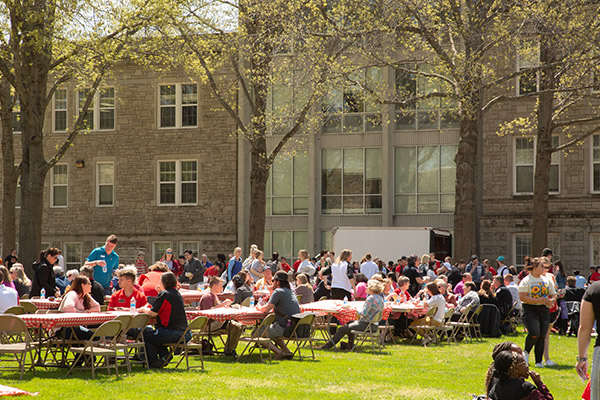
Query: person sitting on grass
122,297
508,382
499,348
284,303
171,322
373,305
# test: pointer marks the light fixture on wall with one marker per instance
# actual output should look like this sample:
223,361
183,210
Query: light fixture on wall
79,164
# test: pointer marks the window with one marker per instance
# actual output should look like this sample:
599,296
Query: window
525,148
16,115
287,187
351,181
350,110
159,248
101,112
286,243
73,256
60,110
59,186
425,179
178,182
106,184
595,239
522,248
178,105
528,56
431,113
193,246
287,97
596,164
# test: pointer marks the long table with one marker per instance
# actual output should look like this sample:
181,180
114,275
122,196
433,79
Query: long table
349,312
44,304
244,315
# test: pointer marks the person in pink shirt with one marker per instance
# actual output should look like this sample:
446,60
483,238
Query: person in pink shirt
459,289
78,300
360,293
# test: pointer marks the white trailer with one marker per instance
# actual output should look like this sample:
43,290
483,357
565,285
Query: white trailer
391,243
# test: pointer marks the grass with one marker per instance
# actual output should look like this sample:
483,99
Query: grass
401,372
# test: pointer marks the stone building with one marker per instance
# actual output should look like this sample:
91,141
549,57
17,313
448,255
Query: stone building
157,167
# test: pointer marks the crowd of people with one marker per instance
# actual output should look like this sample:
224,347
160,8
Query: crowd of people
537,293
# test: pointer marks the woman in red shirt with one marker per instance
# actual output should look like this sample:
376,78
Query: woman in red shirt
151,280
172,264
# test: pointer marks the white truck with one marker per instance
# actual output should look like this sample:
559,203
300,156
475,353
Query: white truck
391,243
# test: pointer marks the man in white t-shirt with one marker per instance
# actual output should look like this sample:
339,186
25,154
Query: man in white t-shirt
514,291
368,268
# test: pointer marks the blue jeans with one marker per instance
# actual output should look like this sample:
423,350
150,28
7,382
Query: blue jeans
154,339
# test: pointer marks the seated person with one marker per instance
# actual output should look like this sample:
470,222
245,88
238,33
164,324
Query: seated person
486,294
373,305
61,280
266,282
122,298
150,280
470,298
435,300
97,292
211,300
573,293
360,293
450,298
171,321
78,300
304,289
9,297
242,287
508,383
285,304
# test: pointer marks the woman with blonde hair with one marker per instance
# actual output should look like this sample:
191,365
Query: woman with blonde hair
304,289
235,263
306,267
150,281
373,305
21,281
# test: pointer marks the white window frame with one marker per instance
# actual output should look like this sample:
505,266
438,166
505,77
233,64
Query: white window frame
514,165
66,254
96,109
65,110
183,247
177,183
98,184
178,106
292,196
53,185
518,66
154,247
518,262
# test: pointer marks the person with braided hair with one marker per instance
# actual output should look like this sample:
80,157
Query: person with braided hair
508,382
499,348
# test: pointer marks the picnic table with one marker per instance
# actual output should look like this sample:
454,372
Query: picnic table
45,304
349,313
60,320
244,315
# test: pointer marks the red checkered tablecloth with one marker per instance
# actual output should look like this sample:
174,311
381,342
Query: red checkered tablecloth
49,321
337,309
245,315
191,296
11,391
45,304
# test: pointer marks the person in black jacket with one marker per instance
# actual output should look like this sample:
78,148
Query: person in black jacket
503,296
97,289
44,275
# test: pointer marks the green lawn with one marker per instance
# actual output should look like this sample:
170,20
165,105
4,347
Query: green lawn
400,372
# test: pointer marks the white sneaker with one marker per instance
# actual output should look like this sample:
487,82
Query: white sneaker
526,355
551,363
539,365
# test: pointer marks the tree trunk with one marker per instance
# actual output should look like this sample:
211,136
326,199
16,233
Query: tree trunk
543,156
259,175
10,174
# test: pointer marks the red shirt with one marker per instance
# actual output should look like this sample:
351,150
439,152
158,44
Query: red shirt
296,265
493,271
118,299
595,277
399,268
149,282
212,271
285,266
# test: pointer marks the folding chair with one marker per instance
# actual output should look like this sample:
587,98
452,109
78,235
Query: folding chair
136,346
425,330
446,328
385,330
306,319
573,309
246,302
195,327
102,345
370,332
20,342
29,307
462,325
15,310
259,336
299,298
474,323
509,319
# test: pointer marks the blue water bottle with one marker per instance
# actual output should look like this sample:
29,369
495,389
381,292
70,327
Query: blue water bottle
132,304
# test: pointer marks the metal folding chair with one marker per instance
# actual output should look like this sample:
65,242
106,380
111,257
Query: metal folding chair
370,332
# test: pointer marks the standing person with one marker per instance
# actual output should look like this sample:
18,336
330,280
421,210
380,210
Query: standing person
274,263
169,259
412,273
560,275
20,280
284,303
306,267
61,260
342,277
171,321
140,263
250,259
589,314
537,293
9,297
206,264
216,269
284,265
192,269
235,264
11,259
105,260
502,267
122,298
368,268
258,266
43,277
475,269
